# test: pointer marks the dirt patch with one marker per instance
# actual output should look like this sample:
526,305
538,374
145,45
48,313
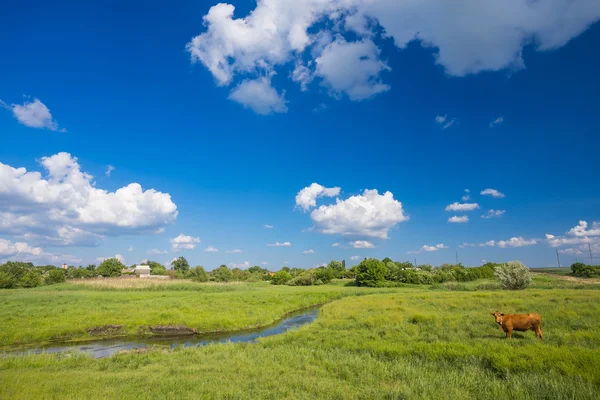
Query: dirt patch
172,330
575,279
105,330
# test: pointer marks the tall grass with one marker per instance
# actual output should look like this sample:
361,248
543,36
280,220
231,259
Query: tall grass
404,343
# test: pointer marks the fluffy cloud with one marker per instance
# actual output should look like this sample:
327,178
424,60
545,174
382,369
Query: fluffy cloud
466,197
582,229
33,114
462,206
307,197
434,248
362,244
466,36
157,252
245,264
211,249
459,220
280,244
493,214
65,207
443,121
354,258
309,251
359,79
268,226
109,169
264,263
259,96
369,214
335,245
493,193
184,242
234,251
516,242
497,121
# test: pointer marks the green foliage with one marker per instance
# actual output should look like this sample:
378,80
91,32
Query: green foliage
54,276
180,265
371,272
513,275
222,274
31,279
110,267
156,268
7,281
337,268
281,278
198,274
585,271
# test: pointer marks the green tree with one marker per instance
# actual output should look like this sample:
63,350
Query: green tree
371,272
181,265
91,267
7,281
222,274
156,268
198,274
281,278
337,268
110,267
55,276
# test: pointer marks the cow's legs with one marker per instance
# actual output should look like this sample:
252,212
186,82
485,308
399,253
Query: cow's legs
509,333
538,332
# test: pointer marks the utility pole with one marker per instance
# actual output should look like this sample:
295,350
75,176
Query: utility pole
457,258
558,258
591,258
415,262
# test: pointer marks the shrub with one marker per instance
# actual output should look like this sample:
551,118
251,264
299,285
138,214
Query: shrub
198,274
281,278
32,279
222,274
110,267
337,269
7,281
371,273
585,271
55,276
513,275
156,268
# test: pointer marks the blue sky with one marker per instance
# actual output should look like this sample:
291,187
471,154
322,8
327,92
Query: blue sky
228,128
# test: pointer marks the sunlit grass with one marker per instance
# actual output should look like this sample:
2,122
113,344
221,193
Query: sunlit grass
410,342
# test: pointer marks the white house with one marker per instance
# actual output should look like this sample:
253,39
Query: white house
142,271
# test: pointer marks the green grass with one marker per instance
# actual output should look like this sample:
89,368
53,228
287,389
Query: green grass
409,342
557,271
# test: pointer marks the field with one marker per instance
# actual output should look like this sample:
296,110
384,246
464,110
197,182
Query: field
409,342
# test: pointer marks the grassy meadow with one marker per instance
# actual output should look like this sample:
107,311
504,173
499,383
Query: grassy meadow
413,342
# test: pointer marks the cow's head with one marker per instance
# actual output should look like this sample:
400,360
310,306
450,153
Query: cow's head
498,316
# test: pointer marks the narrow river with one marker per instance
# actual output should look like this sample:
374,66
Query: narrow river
107,347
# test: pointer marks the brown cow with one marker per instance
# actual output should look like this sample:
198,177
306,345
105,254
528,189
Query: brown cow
519,322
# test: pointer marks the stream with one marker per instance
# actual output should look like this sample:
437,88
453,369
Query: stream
106,347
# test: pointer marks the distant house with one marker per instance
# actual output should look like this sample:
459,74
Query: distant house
64,266
142,271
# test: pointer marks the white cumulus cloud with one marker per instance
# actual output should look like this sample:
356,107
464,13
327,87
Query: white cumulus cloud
497,121
370,214
309,251
259,96
307,197
462,206
465,37
362,244
66,208
434,248
234,251
184,242
211,249
354,258
267,226
280,244
516,242
458,220
33,114
493,193
493,214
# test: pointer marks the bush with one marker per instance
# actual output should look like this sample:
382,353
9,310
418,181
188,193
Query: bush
7,281
110,267
513,275
281,278
32,279
181,265
371,273
198,274
222,274
55,276
156,268
585,271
